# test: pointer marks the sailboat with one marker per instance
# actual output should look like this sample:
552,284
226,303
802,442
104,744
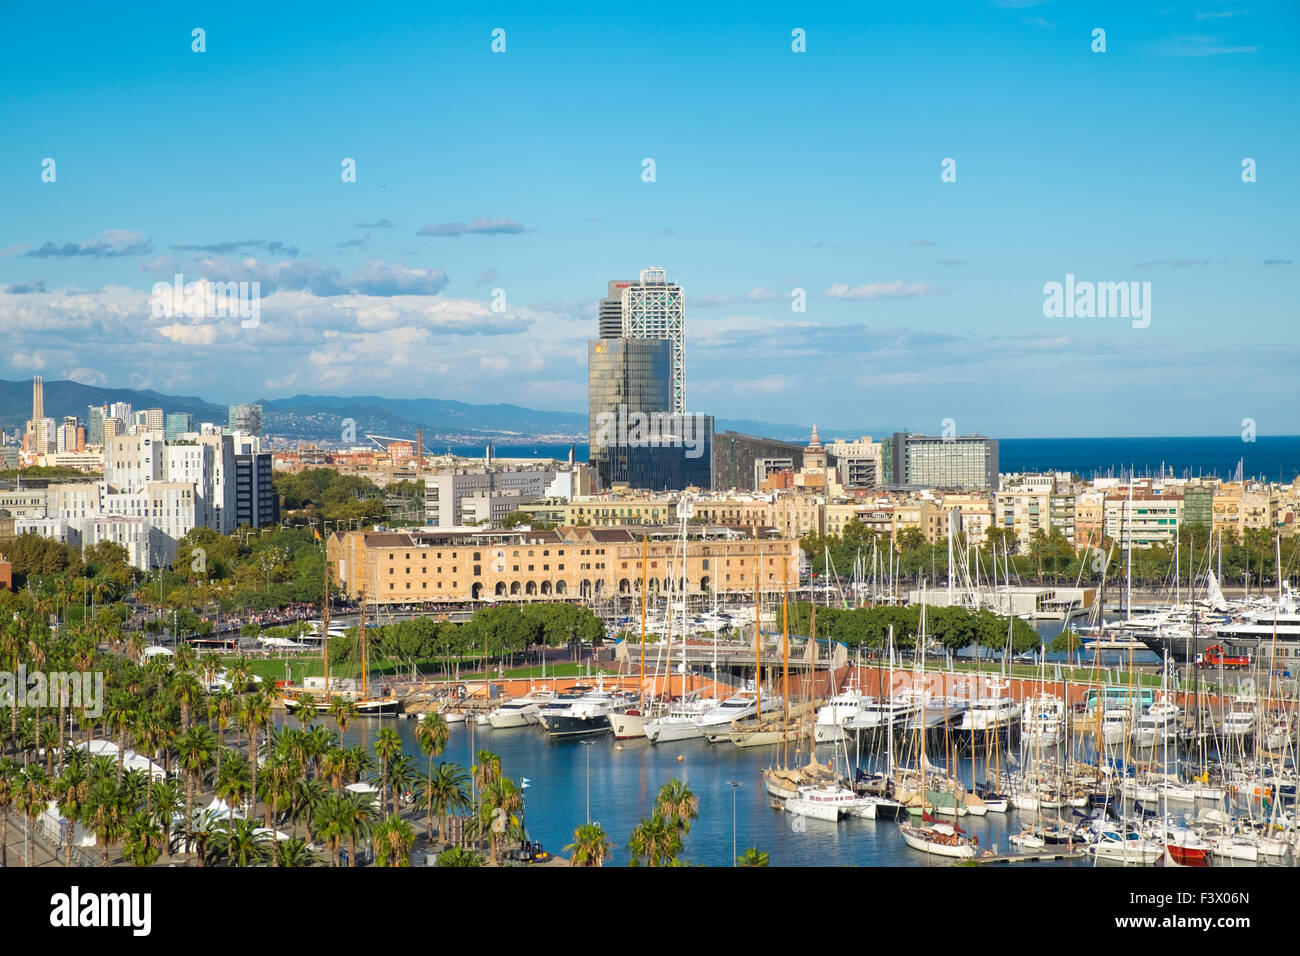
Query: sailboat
366,706
938,839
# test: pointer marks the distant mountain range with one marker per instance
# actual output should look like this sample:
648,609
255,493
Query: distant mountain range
321,417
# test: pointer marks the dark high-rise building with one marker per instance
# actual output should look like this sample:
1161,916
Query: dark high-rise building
610,316
624,377
95,424
256,503
735,457
676,453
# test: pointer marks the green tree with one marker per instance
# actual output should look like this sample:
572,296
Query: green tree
753,857
590,846
654,842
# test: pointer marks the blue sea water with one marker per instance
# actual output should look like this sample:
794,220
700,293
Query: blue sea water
1271,457
623,779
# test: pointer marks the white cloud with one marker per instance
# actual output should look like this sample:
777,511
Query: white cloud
86,376
879,290
27,360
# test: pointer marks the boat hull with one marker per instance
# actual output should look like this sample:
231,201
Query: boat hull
916,838
627,726
564,726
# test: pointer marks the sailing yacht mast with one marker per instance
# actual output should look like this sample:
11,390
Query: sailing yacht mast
758,646
325,627
643,600
785,659
684,509
365,663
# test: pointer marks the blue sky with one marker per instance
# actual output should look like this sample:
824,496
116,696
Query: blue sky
775,170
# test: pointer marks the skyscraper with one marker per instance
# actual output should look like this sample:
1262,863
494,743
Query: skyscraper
624,376
246,418
178,423
610,316
654,308
95,415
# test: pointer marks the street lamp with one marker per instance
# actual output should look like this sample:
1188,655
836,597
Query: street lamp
587,746
735,785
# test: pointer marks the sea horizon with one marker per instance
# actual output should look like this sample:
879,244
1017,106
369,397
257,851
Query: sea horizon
1268,457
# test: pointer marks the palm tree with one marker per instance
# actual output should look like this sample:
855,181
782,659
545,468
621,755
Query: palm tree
106,813
242,844
590,846
331,826
33,798
458,857
487,767
359,814
498,802
166,800
387,746
143,840
254,714
343,711
432,734
195,749
393,840
119,715
187,691
404,779
677,805
234,783
753,857
447,792
224,706
654,842
306,711
8,793
308,796
318,741
204,830
293,852
72,790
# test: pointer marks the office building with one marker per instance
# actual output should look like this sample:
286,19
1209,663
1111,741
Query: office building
744,462
610,314
626,377
860,463
95,415
654,308
959,463
676,454
178,424
245,418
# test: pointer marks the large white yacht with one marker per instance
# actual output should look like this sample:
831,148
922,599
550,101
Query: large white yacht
521,711
990,713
